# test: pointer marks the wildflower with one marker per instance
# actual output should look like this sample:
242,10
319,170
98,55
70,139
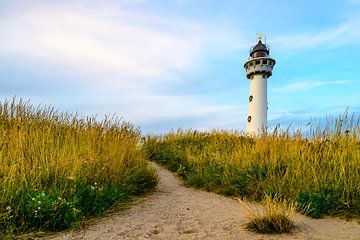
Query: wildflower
8,208
39,208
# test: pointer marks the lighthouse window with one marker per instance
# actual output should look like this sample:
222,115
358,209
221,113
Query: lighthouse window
250,64
249,118
251,98
265,61
257,62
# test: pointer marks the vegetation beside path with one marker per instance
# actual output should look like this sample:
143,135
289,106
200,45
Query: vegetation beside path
56,169
319,172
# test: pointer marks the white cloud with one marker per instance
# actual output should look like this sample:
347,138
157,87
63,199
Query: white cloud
143,108
101,40
345,33
354,1
122,57
307,85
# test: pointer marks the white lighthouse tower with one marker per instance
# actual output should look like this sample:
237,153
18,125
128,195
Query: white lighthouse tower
258,69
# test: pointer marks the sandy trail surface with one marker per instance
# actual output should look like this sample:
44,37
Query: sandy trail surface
176,212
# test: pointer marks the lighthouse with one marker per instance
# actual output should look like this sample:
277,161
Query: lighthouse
258,69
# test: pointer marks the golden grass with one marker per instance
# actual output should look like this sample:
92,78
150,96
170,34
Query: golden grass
318,168
57,168
275,215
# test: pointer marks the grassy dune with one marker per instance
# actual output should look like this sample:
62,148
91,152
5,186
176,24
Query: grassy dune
320,172
55,168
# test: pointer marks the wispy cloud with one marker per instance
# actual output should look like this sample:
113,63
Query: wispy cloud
101,40
307,85
121,56
354,1
144,108
347,32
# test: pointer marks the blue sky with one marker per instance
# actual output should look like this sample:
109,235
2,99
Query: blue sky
172,64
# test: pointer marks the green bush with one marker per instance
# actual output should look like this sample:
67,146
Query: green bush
324,202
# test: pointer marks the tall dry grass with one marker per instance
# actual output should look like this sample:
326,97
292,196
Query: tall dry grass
275,215
318,169
56,169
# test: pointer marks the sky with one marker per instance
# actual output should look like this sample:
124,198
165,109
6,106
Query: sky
169,64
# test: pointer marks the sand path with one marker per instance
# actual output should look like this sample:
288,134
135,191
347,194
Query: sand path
176,212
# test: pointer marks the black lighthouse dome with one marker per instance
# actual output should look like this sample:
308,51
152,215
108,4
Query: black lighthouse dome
259,62
259,50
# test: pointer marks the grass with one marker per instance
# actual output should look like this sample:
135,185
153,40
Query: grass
275,215
56,169
319,169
